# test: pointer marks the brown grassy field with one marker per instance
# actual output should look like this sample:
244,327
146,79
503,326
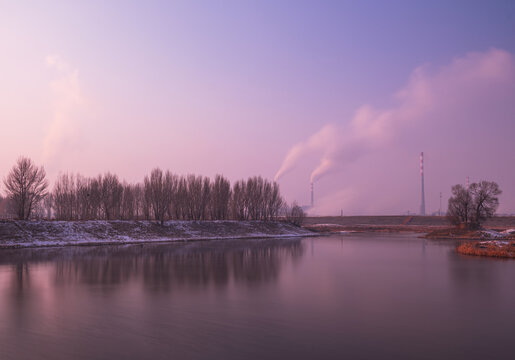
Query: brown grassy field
437,224
441,221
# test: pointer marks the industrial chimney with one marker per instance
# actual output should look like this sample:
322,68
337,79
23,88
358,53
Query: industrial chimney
423,198
312,196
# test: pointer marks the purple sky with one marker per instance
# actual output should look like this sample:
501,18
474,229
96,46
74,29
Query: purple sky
243,88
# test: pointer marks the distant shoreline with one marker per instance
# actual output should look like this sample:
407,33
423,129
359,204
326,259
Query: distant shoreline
433,226
48,233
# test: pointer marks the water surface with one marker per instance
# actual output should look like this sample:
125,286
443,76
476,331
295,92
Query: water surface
355,297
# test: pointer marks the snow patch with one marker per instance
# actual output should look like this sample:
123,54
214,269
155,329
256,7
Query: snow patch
491,234
58,233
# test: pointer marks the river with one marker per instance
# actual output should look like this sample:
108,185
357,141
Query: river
362,296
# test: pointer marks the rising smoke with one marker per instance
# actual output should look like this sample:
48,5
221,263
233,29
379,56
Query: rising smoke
67,97
372,129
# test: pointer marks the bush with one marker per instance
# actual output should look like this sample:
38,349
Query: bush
295,214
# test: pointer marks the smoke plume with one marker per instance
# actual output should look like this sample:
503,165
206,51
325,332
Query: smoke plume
67,97
372,129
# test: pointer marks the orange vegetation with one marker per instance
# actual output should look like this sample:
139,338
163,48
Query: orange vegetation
504,249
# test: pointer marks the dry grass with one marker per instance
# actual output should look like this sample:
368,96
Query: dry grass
433,227
380,220
335,228
457,233
501,222
501,249
452,233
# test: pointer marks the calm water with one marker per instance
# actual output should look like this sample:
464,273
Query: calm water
354,297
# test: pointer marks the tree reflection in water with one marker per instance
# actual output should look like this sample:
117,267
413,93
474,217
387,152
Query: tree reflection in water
160,267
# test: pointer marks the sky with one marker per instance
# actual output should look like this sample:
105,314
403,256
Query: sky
345,94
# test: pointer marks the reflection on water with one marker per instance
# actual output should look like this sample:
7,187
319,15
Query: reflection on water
359,296
160,266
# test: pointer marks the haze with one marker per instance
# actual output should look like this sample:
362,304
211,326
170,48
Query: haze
347,95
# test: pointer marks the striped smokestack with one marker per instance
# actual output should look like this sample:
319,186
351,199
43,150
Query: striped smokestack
423,197
312,196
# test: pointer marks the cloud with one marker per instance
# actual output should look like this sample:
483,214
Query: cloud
371,129
67,98
458,103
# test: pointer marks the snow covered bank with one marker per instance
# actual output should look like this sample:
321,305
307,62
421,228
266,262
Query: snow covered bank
492,234
483,234
57,233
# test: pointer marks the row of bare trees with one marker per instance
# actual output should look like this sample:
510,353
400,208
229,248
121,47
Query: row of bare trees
76,197
161,196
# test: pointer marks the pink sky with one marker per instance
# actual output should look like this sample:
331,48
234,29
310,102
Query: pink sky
333,92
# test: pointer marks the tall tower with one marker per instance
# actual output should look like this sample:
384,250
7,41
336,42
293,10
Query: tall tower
423,198
312,196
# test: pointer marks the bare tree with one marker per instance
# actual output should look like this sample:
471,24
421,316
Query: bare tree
26,186
48,204
159,192
172,186
205,199
194,203
89,197
180,199
295,214
485,201
147,200
460,206
64,196
220,198
138,201
471,207
274,202
254,196
256,199
238,201
111,191
4,207
128,202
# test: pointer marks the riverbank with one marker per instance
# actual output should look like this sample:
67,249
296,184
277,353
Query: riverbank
368,228
454,233
434,226
18,234
484,242
383,224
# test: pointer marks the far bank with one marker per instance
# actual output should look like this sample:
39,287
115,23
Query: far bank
399,223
